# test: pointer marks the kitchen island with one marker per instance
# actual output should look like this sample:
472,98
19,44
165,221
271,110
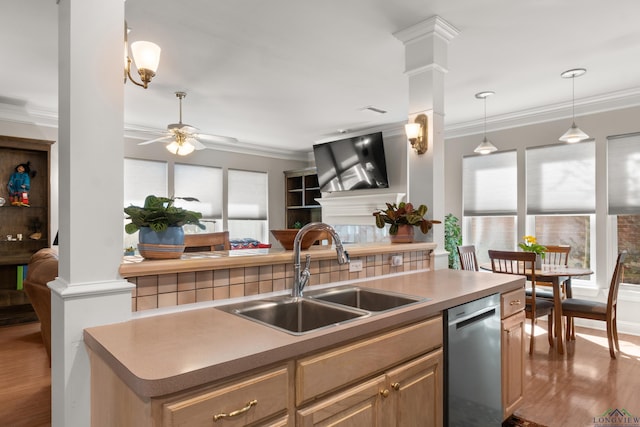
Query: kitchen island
158,370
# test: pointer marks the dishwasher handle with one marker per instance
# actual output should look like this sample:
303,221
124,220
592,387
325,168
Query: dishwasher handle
474,317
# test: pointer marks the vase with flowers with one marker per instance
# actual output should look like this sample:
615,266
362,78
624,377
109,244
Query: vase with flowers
403,218
530,244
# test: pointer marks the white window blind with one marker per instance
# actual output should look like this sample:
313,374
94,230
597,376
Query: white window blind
561,179
142,178
202,182
248,193
490,184
623,174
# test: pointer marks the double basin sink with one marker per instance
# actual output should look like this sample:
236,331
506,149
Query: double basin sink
320,309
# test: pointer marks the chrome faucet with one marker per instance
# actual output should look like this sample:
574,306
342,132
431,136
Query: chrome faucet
300,279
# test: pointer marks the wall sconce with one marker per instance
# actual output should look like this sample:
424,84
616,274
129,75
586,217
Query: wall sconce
417,133
146,56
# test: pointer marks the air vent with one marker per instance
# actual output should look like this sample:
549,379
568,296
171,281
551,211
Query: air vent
372,109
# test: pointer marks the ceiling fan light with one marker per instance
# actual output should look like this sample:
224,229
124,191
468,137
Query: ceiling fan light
146,55
485,147
574,134
173,147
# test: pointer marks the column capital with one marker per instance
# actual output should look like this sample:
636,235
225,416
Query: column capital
429,27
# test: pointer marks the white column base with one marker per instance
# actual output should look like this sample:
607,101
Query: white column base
74,308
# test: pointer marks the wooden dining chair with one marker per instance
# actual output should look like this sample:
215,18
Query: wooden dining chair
596,310
199,242
523,264
467,256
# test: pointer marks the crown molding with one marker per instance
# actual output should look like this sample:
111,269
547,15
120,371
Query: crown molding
596,104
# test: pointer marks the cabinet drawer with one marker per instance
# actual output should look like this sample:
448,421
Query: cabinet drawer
335,368
244,402
512,302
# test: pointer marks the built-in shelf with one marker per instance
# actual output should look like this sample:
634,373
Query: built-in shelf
301,193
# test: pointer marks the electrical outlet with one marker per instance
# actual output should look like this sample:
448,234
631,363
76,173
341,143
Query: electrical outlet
355,265
396,260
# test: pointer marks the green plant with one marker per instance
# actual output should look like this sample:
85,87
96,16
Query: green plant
452,239
530,244
159,213
404,213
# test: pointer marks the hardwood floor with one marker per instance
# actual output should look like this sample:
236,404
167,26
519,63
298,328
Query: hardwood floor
25,377
563,390
570,390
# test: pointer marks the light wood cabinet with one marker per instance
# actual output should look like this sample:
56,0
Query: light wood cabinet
409,394
301,192
513,349
262,399
394,378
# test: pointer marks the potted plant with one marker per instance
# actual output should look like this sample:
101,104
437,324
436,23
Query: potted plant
403,218
452,239
160,224
530,244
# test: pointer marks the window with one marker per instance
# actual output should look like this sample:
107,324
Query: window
142,178
247,205
490,202
561,198
623,185
205,184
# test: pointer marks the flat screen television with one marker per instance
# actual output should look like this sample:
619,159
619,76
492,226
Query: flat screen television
352,163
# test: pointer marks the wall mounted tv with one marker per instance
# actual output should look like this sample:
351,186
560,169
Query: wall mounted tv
352,163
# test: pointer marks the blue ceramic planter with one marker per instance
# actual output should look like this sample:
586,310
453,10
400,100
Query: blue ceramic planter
171,236
167,244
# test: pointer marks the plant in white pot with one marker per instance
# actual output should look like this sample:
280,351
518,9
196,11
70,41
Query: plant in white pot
160,224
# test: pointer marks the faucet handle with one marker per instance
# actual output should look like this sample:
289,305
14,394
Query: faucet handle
307,262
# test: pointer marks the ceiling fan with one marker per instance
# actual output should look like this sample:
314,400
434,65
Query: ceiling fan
185,138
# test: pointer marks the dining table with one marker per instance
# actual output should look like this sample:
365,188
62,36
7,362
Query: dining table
556,275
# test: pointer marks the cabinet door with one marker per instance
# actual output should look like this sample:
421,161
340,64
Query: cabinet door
416,392
512,362
358,406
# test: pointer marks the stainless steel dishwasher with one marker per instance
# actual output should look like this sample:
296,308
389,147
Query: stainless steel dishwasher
473,386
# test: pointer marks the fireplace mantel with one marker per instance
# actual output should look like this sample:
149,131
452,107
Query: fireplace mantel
355,209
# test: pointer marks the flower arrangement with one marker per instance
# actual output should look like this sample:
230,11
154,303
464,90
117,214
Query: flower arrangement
530,244
404,213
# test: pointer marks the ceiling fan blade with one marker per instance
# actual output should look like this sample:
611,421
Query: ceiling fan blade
197,144
166,137
217,138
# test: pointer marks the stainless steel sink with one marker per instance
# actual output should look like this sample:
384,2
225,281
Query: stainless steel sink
294,315
364,298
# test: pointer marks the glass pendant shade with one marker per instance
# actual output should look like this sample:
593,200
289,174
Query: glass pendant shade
574,134
485,147
412,130
146,55
180,149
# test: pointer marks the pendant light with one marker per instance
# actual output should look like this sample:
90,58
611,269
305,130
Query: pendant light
574,134
485,146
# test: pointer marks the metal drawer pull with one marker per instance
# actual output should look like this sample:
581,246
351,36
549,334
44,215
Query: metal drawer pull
235,413
515,302
395,386
384,393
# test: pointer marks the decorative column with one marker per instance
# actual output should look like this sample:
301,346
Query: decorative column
426,47
88,290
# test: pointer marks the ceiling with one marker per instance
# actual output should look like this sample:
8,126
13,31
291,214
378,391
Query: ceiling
284,74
